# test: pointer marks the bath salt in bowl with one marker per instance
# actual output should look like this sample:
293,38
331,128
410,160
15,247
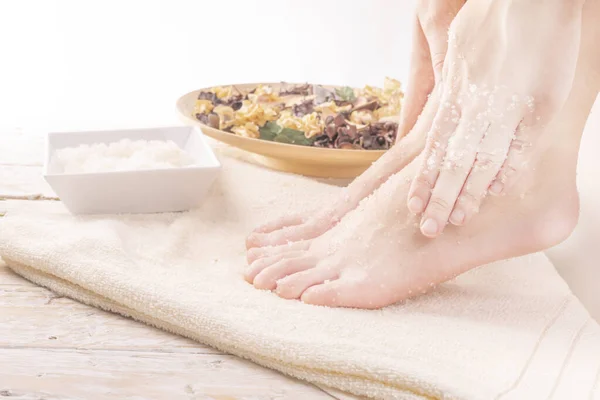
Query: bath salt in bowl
130,171
124,155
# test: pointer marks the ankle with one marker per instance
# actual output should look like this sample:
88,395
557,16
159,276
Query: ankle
554,223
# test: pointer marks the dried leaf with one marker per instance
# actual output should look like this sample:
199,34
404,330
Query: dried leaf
346,93
270,131
275,133
293,136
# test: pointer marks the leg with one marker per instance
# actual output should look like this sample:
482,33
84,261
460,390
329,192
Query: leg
376,255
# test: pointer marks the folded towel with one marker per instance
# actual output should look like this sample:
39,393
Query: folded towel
511,330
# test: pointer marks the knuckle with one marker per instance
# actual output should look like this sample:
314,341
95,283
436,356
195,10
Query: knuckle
424,181
519,145
438,204
508,172
455,170
469,200
489,160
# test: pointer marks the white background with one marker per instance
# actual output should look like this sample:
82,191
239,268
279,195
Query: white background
116,63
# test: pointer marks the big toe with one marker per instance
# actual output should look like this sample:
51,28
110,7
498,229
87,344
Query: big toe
347,293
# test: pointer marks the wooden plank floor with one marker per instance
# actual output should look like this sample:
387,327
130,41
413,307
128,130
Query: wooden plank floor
56,348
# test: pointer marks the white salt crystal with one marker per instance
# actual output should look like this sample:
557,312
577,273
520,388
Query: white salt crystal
124,155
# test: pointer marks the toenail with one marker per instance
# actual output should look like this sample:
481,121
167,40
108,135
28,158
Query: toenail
429,227
496,188
457,217
415,205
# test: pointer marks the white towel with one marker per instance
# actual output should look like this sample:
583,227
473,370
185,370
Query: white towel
511,330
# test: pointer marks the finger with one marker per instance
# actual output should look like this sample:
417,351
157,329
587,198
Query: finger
420,82
517,160
458,161
442,128
491,154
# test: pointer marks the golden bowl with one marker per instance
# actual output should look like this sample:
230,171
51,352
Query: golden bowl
304,160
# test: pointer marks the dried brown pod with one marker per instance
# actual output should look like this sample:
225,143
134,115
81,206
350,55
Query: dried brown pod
365,103
202,118
323,141
343,140
208,96
234,101
339,120
303,90
302,109
350,131
213,120
330,130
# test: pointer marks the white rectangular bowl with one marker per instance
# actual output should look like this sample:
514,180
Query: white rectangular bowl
139,191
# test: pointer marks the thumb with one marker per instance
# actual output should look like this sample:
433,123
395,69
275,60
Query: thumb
420,82
435,19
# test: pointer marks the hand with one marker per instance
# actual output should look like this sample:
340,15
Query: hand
509,68
430,43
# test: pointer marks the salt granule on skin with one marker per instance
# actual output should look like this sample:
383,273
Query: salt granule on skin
124,155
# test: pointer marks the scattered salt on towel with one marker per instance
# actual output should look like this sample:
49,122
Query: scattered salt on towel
124,155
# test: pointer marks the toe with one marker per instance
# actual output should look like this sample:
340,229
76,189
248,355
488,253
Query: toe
268,277
265,235
346,293
279,223
261,252
292,286
257,266
284,235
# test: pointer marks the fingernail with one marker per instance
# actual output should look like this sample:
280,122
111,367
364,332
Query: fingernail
415,205
496,188
457,217
429,227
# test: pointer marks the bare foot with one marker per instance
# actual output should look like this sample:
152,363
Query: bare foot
376,256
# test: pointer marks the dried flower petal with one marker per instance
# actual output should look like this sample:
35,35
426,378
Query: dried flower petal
362,117
249,130
226,116
312,125
222,92
264,94
203,106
